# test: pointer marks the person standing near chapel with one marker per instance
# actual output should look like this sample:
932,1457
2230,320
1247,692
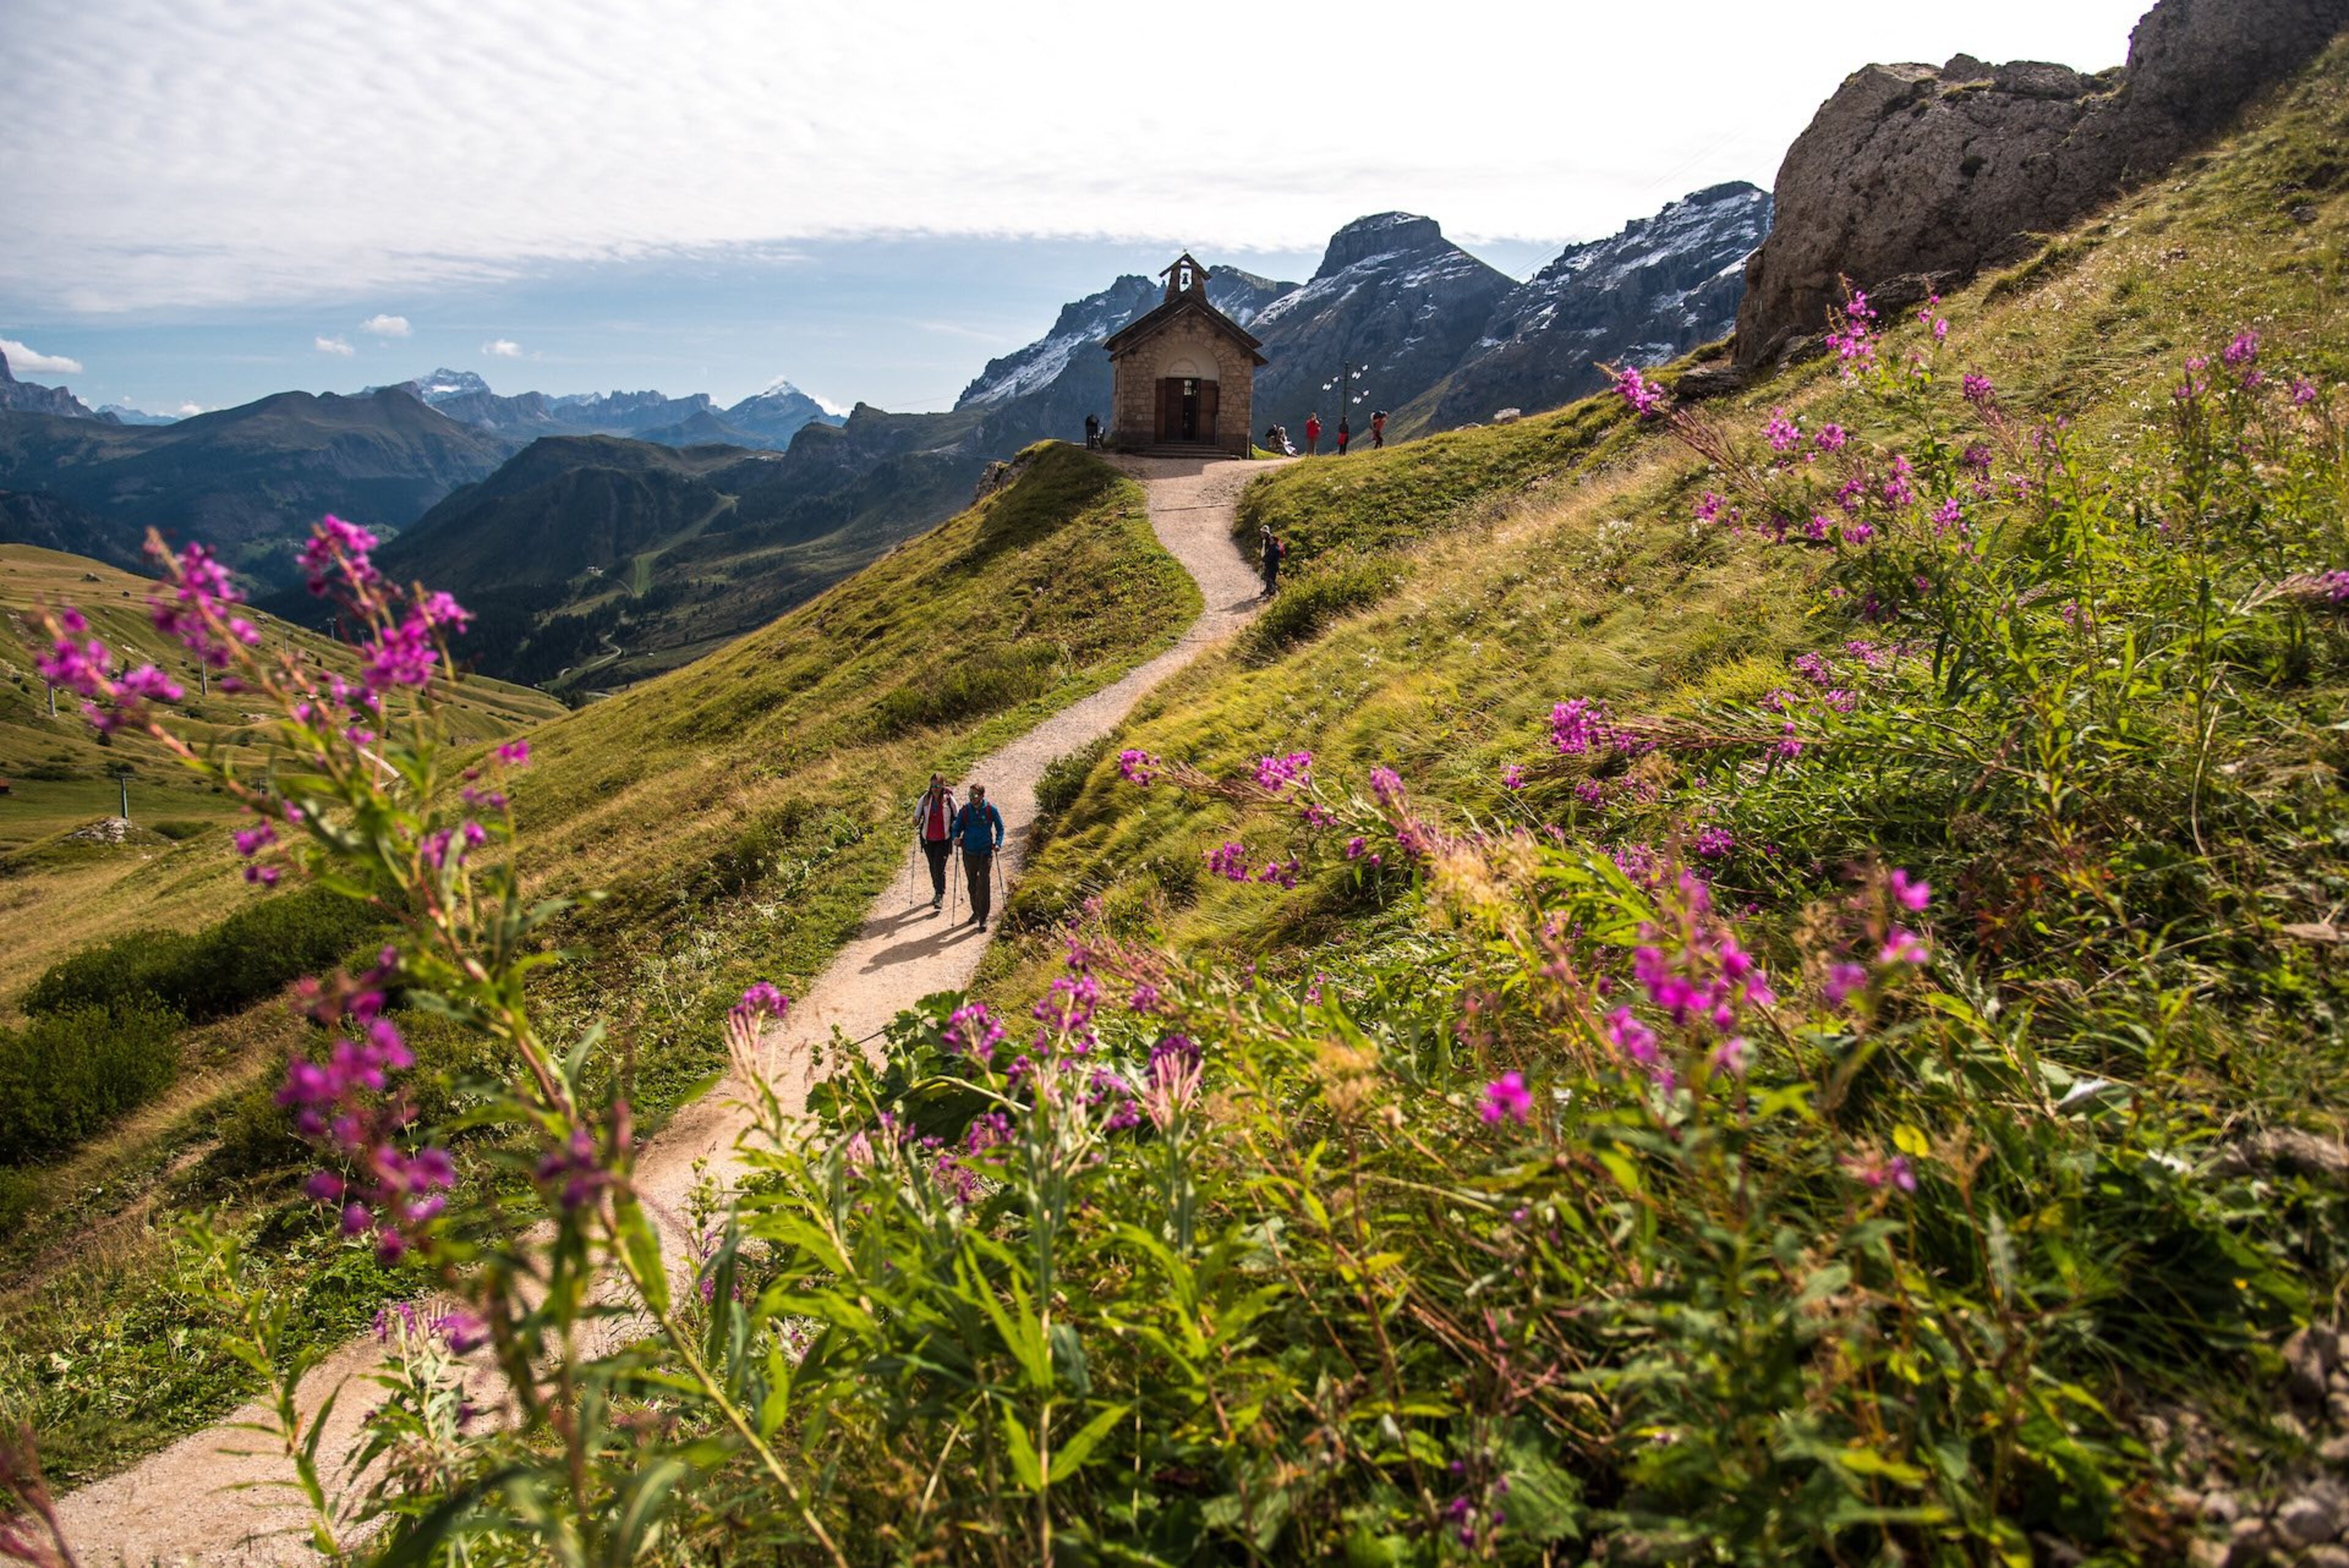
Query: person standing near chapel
1312,434
934,817
979,829
1378,429
1345,434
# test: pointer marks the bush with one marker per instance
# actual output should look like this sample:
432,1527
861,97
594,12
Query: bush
215,972
179,829
972,688
1298,612
68,1074
20,1194
1058,787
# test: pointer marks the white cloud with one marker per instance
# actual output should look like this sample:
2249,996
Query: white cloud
502,348
22,359
189,410
386,325
341,346
220,174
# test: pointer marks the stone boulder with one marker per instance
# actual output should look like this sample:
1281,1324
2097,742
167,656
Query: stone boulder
1913,170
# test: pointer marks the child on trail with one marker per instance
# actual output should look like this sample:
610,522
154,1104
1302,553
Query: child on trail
934,817
978,827
1312,435
1273,552
1345,434
1378,429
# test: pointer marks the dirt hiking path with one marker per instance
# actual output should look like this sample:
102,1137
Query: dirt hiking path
180,1506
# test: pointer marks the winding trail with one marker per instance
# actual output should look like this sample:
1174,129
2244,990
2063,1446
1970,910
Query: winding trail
182,1505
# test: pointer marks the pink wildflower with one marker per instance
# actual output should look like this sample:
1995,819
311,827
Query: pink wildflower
1506,1099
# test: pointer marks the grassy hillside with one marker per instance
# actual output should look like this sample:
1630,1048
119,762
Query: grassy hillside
742,812
174,868
1556,557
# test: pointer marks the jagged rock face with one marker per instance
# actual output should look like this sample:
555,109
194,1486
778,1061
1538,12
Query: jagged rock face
1907,169
25,397
1650,293
1392,294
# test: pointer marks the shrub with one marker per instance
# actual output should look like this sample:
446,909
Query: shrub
1298,612
217,971
970,689
1058,787
179,829
65,1075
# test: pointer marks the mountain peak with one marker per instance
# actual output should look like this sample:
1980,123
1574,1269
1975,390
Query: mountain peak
1380,233
6,377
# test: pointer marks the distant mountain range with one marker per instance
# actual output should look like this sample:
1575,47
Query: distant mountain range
767,419
601,537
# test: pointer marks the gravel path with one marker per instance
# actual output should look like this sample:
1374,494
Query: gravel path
180,1506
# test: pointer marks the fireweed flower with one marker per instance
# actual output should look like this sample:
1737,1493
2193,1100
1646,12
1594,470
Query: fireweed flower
1831,438
1386,786
1643,399
973,1032
2242,351
1278,773
1781,432
1714,843
2304,391
1229,861
514,753
1874,1170
1513,776
1577,725
765,1000
1506,1099
1709,508
1137,768
1978,389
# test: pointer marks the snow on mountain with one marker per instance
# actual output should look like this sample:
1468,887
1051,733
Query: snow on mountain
1649,294
1076,336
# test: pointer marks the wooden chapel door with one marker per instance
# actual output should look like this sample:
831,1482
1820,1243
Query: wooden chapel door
1206,411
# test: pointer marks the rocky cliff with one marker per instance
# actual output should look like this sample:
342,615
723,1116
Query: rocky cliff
25,397
1908,169
1394,301
1649,294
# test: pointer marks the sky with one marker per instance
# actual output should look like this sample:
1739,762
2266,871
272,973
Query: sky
202,201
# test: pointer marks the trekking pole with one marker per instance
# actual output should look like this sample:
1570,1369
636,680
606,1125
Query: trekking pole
952,889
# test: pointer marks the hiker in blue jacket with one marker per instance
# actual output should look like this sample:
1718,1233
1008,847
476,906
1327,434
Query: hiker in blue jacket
979,830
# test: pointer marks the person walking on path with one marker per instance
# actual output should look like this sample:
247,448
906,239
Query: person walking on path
1378,429
1345,434
934,817
1273,552
1312,435
1092,433
979,829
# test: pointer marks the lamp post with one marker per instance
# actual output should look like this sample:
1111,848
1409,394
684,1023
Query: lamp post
1342,384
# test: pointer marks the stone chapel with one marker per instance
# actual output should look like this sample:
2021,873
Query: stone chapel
1185,372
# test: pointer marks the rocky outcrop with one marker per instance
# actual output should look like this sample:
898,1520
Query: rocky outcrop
1652,292
1910,171
1395,301
25,397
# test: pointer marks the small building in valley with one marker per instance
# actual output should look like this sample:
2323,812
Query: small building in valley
1185,372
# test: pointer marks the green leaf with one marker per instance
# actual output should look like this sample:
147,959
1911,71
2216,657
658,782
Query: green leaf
1070,1456
1026,1468
643,1253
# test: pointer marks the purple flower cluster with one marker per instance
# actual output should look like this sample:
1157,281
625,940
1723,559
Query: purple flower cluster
973,1032
1878,947
1579,725
1698,975
1276,774
1229,860
1137,768
342,1106
1644,398
1506,1099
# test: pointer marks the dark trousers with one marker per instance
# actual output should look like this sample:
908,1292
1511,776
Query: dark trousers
937,849
979,871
